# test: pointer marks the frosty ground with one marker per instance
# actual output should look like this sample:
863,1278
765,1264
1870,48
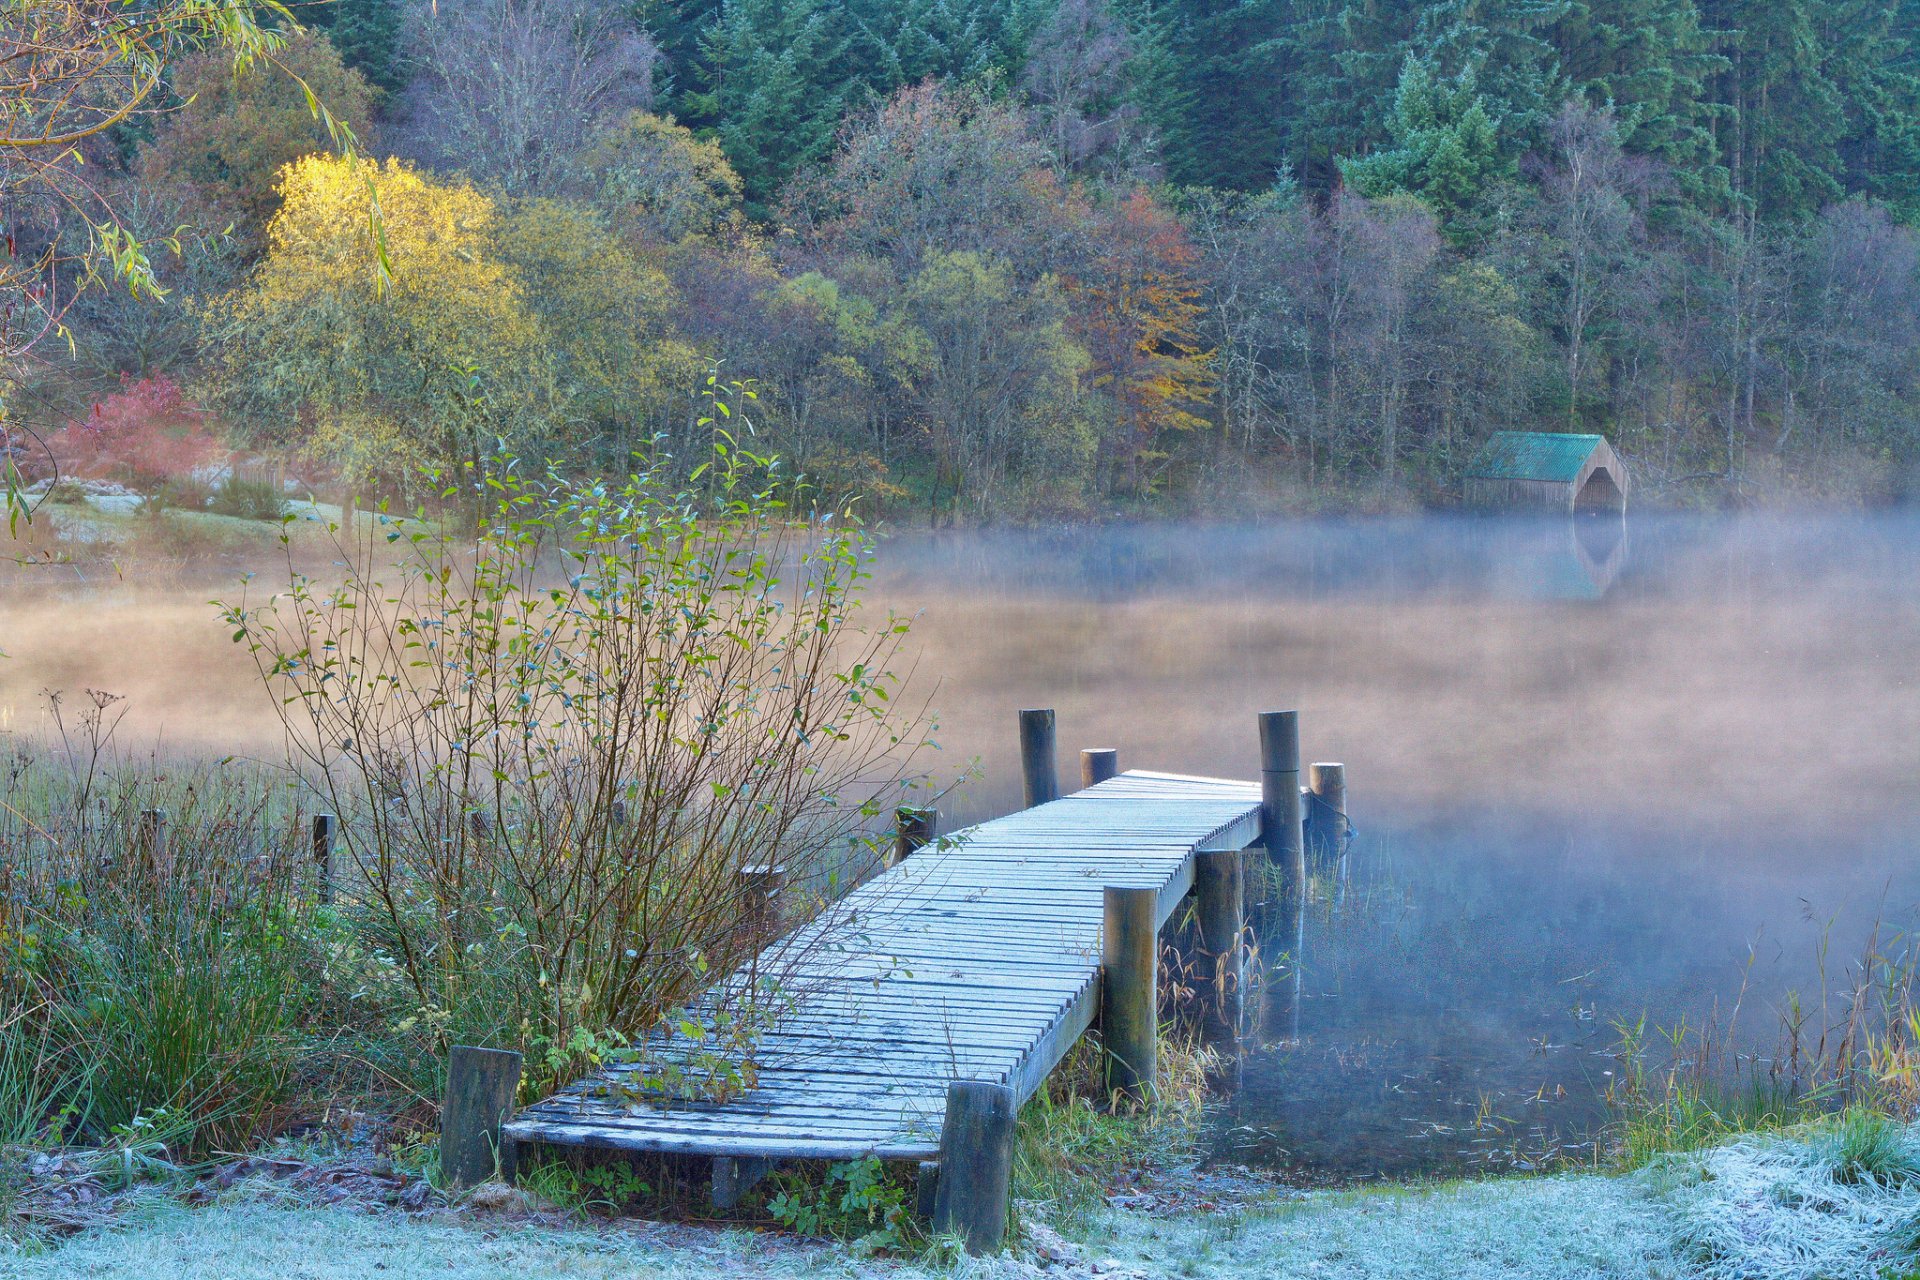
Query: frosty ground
1787,1207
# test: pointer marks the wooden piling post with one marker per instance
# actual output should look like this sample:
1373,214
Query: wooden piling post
913,830
1219,900
760,884
926,1190
1327,810
734,1176
1129,995
1285,840
150,840
1037,770
481,1088
323,825
1097,764
976,1164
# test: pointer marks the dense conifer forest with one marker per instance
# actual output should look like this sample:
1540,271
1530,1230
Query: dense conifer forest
1015,258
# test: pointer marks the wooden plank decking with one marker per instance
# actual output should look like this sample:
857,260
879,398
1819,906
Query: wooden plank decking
977,959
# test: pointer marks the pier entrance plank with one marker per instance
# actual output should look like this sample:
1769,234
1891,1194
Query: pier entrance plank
978,958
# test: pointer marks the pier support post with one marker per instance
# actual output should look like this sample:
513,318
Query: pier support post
1281,832
1129,996
760,884
1219,901
926,1190
481,1087
1037,768
976,1164
1097,764
734,1176
913,830
323,825
1327,810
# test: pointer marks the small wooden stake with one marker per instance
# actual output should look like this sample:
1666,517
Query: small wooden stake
1037,772
481,1086
150,839
1327,810
912,831
323,824
926,1190
760,884
1097,764
1129,995
976,1164
1220,903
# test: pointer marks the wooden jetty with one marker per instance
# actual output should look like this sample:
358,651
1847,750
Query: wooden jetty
937,996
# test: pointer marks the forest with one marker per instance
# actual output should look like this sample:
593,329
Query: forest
1003,259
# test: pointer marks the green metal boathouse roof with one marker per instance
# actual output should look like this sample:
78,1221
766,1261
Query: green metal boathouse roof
1533,455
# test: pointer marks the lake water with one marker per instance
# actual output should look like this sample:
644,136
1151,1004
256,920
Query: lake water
1599,771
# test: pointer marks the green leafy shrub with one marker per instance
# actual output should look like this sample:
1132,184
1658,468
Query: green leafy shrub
247,499
855,1201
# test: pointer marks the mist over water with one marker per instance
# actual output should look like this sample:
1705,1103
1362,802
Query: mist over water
1597,771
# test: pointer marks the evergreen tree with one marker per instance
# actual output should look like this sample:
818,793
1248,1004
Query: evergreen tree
367,35
1783,117
1446,149
1652,62
777,95
1217,103
1341,63
1872,56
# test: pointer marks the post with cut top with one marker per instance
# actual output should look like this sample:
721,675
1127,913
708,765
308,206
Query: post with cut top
1219,901
1097,764
1281,833
760,884
481,1088
913,830
150,840
1129,998
323,825
1037,771
1327,810
975,1176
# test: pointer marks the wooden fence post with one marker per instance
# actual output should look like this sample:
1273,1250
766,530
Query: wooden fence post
1129,995
481,1087
150,840
760,884
1097,764
1327,810
1281,832
1220,902
323,825
976,1164
1037,770
913,830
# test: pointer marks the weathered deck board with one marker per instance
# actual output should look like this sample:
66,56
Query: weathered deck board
976,958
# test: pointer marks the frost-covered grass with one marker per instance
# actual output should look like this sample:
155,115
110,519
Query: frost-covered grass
1840,1201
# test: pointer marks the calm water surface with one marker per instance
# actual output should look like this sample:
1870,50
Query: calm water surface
1600,774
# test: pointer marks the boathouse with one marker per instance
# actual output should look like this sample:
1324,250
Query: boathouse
1546,471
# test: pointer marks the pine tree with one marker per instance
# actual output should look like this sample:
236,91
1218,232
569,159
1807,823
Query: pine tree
1340,65
367,35
776,93
1874,59
1218,106
1446,149
1783,117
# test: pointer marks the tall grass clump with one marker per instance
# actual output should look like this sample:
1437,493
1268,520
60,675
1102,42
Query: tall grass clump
151,974
557,724
1850,1055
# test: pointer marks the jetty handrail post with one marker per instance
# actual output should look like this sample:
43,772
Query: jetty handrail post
1220,903
1129,991
759,884
1039,776
1327,811
975,1178
482,1085
323,827
913,830
1097,764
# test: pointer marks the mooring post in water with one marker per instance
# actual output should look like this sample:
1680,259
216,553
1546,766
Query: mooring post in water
323,824
1327,810
1220,903
760,884
1097,764
976,1164
913,830
1281,833
1037,769
481,1088
1129,998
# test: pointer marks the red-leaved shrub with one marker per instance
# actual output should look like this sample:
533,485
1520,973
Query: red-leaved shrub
144,435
